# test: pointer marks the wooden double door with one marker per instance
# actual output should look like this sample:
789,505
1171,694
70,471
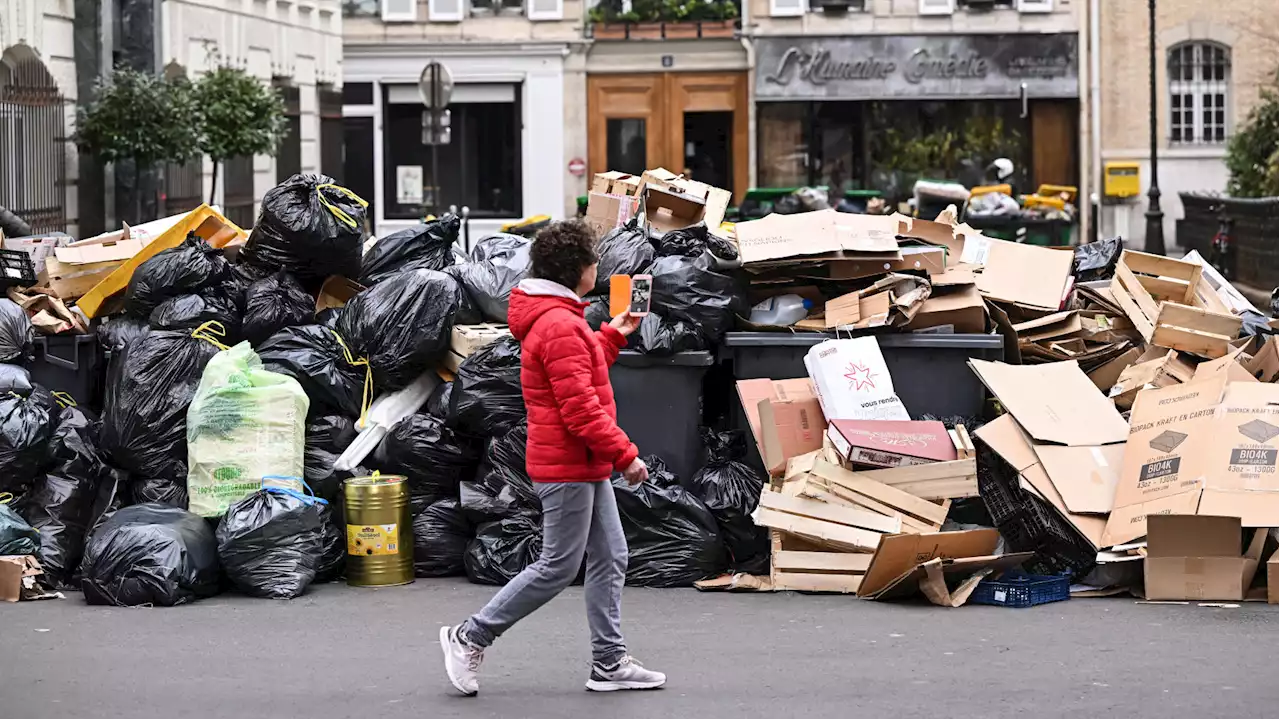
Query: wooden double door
690,122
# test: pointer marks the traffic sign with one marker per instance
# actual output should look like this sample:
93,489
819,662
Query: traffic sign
435,85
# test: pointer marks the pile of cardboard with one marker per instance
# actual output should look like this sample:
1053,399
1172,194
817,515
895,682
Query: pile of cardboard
466,340
661,199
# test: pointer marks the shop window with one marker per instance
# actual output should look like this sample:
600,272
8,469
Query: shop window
479,167
1199,83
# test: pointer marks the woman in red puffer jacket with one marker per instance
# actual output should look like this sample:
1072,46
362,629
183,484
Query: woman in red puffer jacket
575,443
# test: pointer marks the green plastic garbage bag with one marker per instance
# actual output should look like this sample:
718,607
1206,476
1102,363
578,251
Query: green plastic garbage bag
245,423
16,536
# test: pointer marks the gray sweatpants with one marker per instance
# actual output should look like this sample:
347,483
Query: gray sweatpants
577,517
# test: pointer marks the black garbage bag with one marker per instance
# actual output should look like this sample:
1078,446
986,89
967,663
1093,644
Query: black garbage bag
28,415
597,312
60,505
660,336
333,546
112,494
1255,324
271,541
16,536
673,538
150,554
486,399
118,331
498,263
690,289
502,486
502,549
273,303
144,416
168,491
189,312
186,269
403,325
421,247
16,340
1097,260
328,437
317,357
441,533
309,226
438,403
693,241
731,490
430,455
624,250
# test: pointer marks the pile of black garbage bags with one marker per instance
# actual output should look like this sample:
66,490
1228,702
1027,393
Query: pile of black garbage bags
95,487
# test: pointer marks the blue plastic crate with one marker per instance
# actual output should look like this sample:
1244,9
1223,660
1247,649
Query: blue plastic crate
1026,590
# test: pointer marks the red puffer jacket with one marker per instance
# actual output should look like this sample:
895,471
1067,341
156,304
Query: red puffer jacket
573,422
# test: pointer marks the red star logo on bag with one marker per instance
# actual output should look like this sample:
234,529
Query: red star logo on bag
859,377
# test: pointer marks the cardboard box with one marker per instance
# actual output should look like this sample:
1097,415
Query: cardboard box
39,247
930,260
958,311
824,234
71,282
715,200
877,443
670,209
20,578
605,212
785,418
1025,274
1198,558
615,183
1265,364
899,566
1167,369
1054,402
336,292
1273,578
892,301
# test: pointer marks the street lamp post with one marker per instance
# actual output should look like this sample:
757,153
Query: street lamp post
1155,217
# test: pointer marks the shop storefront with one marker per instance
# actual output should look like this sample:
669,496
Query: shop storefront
505,156
879,112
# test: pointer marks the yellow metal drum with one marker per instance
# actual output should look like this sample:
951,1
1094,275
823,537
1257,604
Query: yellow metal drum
379,531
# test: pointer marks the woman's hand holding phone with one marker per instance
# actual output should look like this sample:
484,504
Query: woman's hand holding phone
625,323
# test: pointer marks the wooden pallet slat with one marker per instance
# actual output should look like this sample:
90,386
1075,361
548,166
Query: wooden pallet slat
849,539
835,514
856,482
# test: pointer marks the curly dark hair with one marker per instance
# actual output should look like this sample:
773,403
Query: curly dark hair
562,251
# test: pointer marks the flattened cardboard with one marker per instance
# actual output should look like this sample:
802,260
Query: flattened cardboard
1105,375
1199,558
930,260
1057,325
336,292
892,301
1085,477
1162,371
962,309
880,443
1265,364
1054,402
100,250
823,232
1273,578
898,565
1025,274
1228,366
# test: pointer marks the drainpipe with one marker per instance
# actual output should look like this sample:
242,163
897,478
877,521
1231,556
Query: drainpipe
751,99
1095,115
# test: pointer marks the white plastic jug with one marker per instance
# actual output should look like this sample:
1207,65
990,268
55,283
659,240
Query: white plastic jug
782,311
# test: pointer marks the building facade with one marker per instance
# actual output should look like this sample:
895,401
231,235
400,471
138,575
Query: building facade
873,94
37,111
294,45
1210,68
512,63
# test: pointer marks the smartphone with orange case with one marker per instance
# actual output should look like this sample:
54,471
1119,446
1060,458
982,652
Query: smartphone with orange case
619,294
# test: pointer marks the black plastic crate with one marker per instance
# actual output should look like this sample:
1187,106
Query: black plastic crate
69,363
16,269
1027,590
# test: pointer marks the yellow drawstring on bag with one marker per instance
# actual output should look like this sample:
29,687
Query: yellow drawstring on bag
338,212
366,398
6,497
64,399
211,332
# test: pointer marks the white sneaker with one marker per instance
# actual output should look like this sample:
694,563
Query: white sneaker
626,674
461,661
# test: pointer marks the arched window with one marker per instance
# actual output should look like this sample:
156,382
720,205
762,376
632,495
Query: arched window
1199,85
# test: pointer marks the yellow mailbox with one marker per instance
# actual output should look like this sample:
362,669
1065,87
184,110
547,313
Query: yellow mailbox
1121,179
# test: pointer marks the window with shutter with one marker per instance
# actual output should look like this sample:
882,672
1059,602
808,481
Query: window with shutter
1035,5
787,8
937,7
399,10
445,10
545,9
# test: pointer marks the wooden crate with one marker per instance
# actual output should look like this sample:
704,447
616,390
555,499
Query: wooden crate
801,566
1172,305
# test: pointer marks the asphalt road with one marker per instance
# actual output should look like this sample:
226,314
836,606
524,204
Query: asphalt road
341,652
